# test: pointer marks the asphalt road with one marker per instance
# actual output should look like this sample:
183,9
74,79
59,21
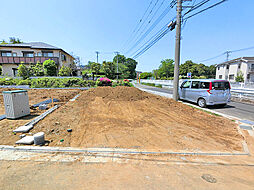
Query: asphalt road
236,109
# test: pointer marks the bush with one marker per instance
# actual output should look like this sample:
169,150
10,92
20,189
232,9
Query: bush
65,71
23,71
124,82
0,70
49,67
103,82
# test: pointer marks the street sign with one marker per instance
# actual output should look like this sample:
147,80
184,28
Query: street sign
189,75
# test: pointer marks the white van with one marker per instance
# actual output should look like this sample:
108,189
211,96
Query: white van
206,92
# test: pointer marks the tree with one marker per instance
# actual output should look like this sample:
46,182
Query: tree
3,42
155,74
131,65
23,71
49,67
13,40
121,59
239,77
37,70
65,71
109,69
95,67
1,70
166,69
146,75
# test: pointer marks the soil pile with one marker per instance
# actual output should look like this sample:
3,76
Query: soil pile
129,118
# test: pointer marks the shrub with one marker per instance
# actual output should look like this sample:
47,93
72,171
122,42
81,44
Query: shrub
65,71
103,82
23,71
49,67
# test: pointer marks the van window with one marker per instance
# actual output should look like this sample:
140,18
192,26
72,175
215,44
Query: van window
195,84
186,84
220,85
204,85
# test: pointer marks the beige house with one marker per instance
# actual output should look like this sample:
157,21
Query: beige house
229,69
11,55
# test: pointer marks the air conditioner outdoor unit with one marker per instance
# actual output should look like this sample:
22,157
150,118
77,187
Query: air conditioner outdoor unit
16,104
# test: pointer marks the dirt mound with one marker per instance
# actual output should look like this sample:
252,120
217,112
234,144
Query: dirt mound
129,118
120,93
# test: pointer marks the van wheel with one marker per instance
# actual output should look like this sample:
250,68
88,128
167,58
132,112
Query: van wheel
201,102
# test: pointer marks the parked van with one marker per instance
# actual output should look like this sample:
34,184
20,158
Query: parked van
206,91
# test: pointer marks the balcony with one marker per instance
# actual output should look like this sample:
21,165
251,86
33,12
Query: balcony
26,60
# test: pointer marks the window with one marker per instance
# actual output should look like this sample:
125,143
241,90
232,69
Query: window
186,84
14,54
218,68
6,53
204,85
195,84
231,77
63,57
28,54
220,76
39,54
47,54
239,66
227,66
248,76
252,67
15,72
220,85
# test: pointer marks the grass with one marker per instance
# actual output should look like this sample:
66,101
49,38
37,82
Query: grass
152,84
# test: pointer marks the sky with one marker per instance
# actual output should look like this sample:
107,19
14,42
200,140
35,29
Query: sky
82,27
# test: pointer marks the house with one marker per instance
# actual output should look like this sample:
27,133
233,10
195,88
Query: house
11,55
229,69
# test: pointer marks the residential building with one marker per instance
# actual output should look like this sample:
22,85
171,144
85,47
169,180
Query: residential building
229,69
12,55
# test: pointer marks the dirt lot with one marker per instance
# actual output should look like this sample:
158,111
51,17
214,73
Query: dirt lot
129,118
35,96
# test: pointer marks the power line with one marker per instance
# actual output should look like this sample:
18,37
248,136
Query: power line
144,20
136,27
157,21
227,53
214,5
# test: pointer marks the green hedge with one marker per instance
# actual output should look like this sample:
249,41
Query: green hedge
47,82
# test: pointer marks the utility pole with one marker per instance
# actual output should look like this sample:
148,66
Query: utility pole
228,54
177,49
117,53
97,53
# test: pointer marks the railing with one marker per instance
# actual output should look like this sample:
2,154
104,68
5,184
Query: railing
18,60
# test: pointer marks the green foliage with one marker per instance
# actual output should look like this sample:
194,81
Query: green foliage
109,69
1,70
124,82
47,82
37,70
126,66
13,40
166,69
65,71
95,67
239,77
197,69
146,75
23,71
49,67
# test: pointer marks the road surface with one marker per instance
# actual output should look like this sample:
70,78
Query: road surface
236,109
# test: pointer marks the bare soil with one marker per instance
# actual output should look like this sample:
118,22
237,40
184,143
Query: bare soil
126,117
35,96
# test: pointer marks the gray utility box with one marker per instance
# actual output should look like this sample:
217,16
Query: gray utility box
16,104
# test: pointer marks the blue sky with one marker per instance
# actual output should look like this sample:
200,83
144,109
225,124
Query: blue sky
85,26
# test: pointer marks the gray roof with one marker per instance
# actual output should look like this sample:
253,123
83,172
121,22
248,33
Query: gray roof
40,45
245,59
34,45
